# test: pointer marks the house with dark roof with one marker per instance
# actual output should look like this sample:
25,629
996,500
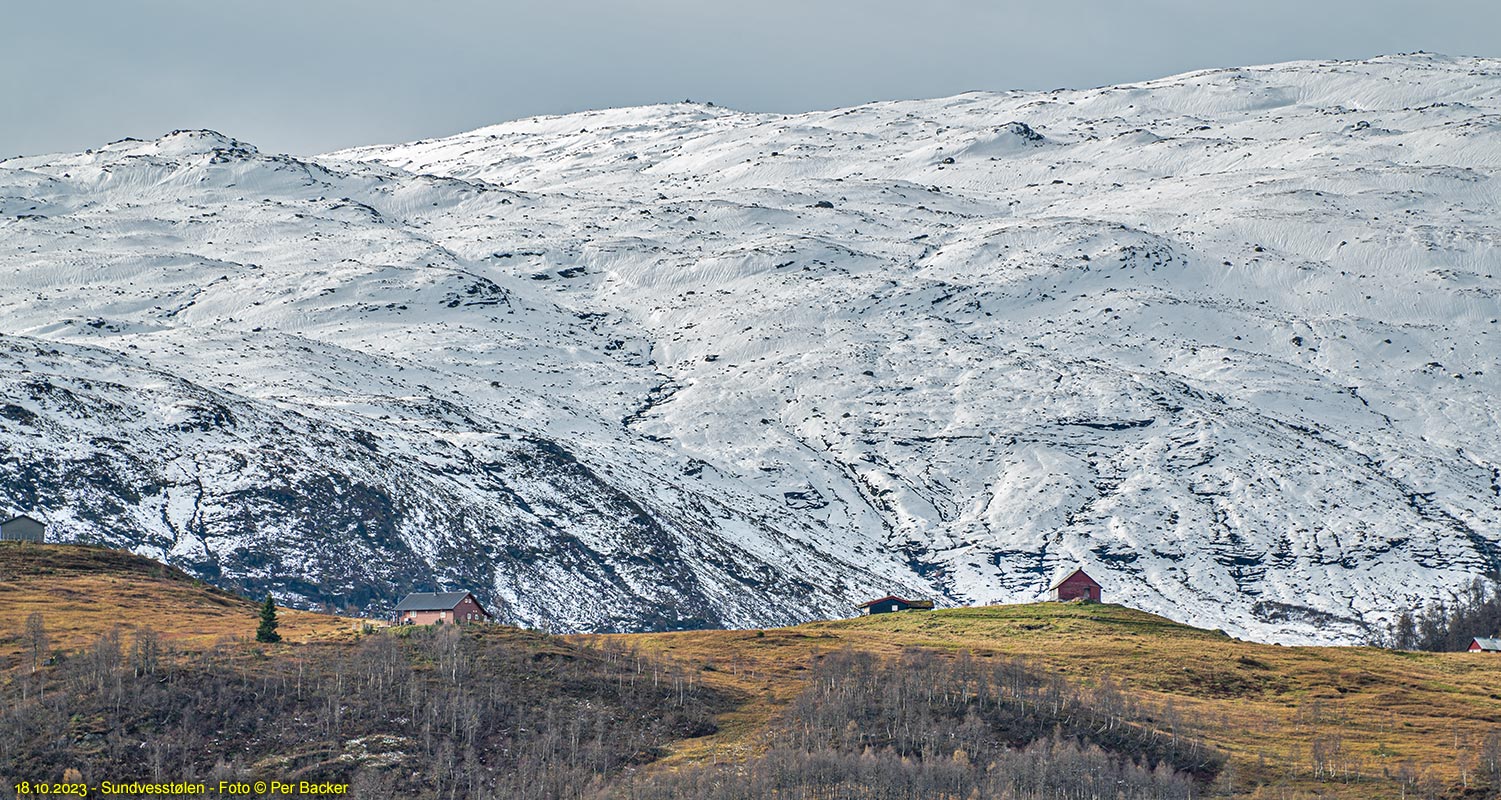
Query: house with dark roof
435,608
891,603
1485,644
23,529
1077,585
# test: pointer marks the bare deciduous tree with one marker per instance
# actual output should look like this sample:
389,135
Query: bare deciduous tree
36,639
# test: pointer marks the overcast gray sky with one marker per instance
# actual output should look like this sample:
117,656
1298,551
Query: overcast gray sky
305,76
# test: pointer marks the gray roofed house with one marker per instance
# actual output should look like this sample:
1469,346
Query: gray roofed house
436,608
23,529
1485,644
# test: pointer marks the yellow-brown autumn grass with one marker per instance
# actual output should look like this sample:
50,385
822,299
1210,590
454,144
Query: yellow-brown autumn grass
83,592
1369,710
1265,705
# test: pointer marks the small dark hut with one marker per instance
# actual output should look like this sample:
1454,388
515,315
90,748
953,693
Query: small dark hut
892,603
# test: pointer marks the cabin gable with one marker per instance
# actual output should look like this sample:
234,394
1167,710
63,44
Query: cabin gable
23,529
1077,586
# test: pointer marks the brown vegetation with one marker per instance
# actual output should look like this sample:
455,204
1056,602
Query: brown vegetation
84,591
1349,722
102,653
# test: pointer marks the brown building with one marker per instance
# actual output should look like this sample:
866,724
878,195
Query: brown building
431,608
1077,586
22,529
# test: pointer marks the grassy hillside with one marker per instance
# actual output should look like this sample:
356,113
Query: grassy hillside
84,591
151,676
1294,721
1324,721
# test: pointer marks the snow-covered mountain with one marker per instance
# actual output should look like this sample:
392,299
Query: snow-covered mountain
1228,339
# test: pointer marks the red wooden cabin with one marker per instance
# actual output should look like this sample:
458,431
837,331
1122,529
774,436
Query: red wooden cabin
430,608
1077,586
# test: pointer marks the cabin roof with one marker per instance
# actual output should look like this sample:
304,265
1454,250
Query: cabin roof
1488,643
432,601
869,603
902,600
1079,571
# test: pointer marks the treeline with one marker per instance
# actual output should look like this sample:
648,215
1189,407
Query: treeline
412,713
929,727
1448,626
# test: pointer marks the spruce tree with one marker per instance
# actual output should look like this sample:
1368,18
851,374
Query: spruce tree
267,631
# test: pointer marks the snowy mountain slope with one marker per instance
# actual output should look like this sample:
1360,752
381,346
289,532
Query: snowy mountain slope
1228,339
222,359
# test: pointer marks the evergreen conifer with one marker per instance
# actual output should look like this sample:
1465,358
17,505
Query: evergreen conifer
267,631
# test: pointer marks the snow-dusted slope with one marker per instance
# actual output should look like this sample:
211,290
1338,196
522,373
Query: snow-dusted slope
1227,339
